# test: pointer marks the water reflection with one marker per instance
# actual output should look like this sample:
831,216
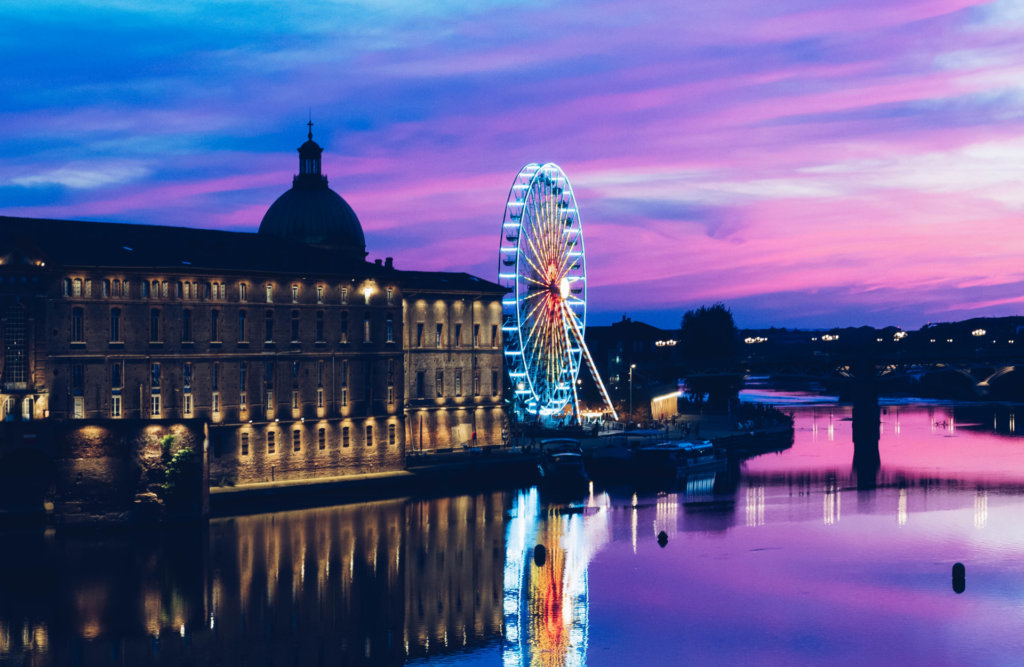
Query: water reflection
785,558
376,583
546,601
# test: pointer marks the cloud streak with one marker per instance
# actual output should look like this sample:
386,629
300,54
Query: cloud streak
817,163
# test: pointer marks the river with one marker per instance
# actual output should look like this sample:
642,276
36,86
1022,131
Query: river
785,559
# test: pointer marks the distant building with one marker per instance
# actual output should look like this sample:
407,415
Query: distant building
304,358
620,345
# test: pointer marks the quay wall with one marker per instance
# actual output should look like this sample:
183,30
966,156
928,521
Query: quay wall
102,472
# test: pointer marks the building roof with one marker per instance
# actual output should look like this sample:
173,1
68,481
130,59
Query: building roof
131,246
436,281
75,243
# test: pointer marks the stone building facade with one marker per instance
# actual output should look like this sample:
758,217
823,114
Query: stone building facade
289,343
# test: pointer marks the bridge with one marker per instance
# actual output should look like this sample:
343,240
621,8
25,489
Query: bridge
864,371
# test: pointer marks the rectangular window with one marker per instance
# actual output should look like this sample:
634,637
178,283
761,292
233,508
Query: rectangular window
105,288
437,339
369,435
320,326
156,289
270,402
188,377
297,440
391,328
216,402
214,325
295,399
245,444
88,288
115,325
270,294
145,290
322,438
476,384
344,436
439,383
320,373
115,407
155,378
177,290
391,394
269,334
366,328
154,325
458,335
295,293
77,325
243,292
186,325
494,383
391,295
79,407
367,291
494,335
188,405
344,327
155,406
419,334
476,335
208,291
391,434
419,385
344,295
241,326
458,382
116,376
164,289
320,397
319,294
271,442
188,290
77,287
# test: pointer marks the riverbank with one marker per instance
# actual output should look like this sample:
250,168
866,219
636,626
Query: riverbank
443,473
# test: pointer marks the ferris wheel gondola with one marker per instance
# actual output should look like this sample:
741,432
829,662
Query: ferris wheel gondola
543,264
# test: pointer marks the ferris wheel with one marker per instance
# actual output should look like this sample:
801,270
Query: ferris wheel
543,265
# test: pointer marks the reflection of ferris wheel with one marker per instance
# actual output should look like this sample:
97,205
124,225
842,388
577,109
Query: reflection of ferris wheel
543,264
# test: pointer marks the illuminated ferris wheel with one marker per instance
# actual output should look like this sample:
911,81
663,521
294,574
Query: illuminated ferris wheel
543,265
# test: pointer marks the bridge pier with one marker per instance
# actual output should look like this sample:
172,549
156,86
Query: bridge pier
866,458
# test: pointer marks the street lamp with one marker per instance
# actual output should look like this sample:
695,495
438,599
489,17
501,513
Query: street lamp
631,367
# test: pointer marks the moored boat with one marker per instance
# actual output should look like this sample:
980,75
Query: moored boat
675,459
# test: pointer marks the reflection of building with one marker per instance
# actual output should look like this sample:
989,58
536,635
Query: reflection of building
375,583
287,342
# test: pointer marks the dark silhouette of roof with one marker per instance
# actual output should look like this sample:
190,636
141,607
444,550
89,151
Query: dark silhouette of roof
436,281
114,245
131,246
313,213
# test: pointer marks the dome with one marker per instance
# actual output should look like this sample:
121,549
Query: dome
313,213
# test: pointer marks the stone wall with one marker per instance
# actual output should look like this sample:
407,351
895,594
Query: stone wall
86,472
333,456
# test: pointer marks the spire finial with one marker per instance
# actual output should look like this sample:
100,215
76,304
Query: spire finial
310,123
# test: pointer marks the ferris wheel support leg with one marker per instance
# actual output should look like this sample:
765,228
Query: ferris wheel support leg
590,362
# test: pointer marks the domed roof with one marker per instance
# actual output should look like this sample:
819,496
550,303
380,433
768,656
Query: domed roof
313,213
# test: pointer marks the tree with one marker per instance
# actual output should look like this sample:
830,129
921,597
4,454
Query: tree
709,334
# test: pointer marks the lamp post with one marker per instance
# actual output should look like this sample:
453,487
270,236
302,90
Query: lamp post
631,367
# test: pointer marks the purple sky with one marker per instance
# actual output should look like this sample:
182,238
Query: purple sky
807,162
